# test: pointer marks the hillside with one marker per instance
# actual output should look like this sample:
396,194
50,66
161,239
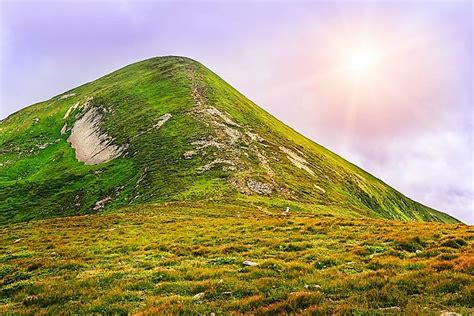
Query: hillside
166,130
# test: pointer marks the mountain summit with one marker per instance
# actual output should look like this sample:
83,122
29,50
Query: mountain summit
168,129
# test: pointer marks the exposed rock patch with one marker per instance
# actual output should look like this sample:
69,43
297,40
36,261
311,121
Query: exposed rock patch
227,165
296,160
233,134
259,187
92,146
254,137
212,111
65,96
263,161
101,203
161,120
226,133
76,105
71,108
63,130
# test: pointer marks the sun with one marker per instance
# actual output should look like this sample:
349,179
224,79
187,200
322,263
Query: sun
362,62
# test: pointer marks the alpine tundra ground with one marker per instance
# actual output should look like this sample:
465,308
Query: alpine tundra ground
188,258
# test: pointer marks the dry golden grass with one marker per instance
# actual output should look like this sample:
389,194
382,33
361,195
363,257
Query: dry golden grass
156,259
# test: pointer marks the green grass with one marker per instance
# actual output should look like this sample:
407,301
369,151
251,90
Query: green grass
154,259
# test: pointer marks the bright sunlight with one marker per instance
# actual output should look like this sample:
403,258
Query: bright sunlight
362,62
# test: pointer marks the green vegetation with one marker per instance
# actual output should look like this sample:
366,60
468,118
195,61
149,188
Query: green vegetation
188,258
238,153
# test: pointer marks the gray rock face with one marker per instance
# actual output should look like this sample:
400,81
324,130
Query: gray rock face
259,187
92,146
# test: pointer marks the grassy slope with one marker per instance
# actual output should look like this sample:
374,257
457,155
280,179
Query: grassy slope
155,258
39,183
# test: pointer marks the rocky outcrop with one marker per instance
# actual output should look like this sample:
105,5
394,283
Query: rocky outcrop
296,160
92,146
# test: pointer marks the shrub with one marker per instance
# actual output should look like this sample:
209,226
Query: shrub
454,243
411,244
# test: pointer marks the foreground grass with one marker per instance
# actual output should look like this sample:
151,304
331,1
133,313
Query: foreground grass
188,259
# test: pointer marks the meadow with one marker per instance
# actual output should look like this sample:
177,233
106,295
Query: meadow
183,258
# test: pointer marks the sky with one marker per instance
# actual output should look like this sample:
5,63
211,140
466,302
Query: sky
388,85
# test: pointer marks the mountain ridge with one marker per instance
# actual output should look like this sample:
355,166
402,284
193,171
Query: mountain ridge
167,129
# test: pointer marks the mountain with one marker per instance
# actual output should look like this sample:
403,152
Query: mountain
169,130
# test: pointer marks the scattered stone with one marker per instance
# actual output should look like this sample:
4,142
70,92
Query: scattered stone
227,293
189,154
390,308
249,263
445,313
36,120
30,299
199,296
286,211
18,240
259,187
43,146
319,188
418,251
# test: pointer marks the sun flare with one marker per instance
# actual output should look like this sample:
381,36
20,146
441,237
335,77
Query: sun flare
362,62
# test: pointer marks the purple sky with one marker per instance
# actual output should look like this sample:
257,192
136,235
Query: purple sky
409,122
